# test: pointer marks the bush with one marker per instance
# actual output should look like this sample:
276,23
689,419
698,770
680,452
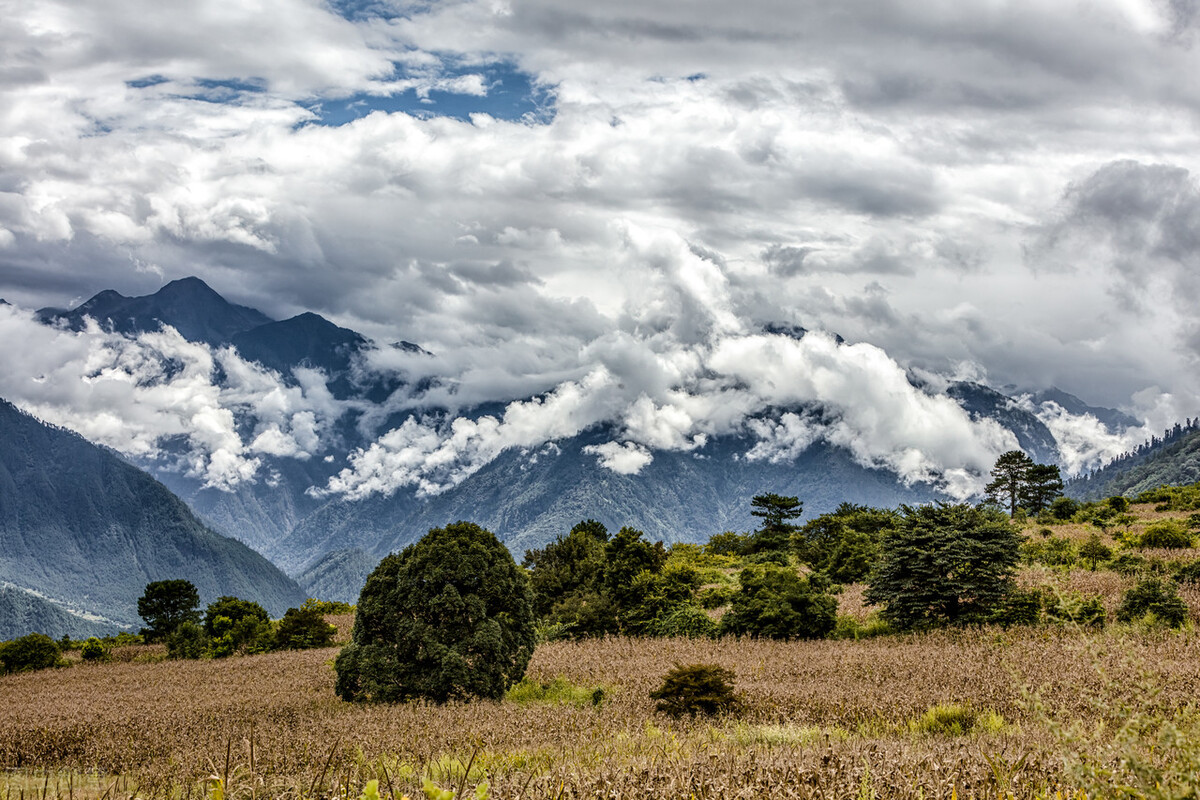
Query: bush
1166,533
716,596
726,544
776,603
1078,609
1155,599
1189,572
448,617
30,652
686,621
953,719
94,650
303,628
848,627
696,689
1019,607
1064,508
188,640
559,691
1129,564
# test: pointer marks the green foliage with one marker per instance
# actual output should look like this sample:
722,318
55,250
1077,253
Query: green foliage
448,617
166,605
188,640
844,544
94,650
30,652
653,595
234,610
571,564
626,556
1056,551
1166,533
559,691
776,603
303,628
684,620
944,564
776,511
1008,479
1155,600
954,719
1064,509
585,614
726,544
1118,503
1043,483
848,627
1094,551
696,689
716,596
1078,609
327,606
1188,572
1128,564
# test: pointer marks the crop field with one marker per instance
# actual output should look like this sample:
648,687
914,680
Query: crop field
820,719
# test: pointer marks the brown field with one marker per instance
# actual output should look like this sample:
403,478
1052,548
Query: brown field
822,719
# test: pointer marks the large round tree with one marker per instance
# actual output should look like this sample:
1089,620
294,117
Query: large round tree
448,617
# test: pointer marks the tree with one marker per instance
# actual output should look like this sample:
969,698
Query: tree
1043,483
944,564
776,603
302,628
1156,599
696,689
1010,475
447,617
1094,550
29,652
625,556
775,511
166,605
234,609
570,564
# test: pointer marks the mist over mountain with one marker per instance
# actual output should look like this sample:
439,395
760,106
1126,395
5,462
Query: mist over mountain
86,531
325,451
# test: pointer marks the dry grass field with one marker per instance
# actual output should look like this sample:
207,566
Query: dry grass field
822,719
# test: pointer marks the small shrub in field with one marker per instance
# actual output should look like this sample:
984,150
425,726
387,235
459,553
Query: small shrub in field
94,650
1019,607
1076,608
696,689
30,652
953,719
1128,564
1154,598
848,627
1166,533
303,628
1189,572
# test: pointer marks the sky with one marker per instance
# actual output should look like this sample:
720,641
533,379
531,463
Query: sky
550,196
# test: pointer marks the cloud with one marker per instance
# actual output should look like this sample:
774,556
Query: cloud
623,459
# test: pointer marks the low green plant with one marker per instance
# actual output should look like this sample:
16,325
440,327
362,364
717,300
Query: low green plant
188,640
848,627
94,650
1166,533
1077,608
955,719
558,691
694,689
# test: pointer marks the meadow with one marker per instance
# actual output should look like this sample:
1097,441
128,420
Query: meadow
1046,710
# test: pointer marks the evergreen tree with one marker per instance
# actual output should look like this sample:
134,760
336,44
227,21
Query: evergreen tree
166,605
776,511
1009,476
1043,483
944,564
776,603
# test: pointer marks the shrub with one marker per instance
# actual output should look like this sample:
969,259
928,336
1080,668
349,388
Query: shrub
776,603
696,689
1077,608
94,650
1189,572
1129,564
30,652
233,609
848,627
1166,533
559,691
303,628
716,596
1018,607
1094,551
685,620
1153,598
584,614
1064,508
448,617
726,544
188,640
1118,503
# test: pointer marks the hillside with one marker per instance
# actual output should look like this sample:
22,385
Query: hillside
1173,460
84,528
22,611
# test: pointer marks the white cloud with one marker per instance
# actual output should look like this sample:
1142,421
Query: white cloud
624,459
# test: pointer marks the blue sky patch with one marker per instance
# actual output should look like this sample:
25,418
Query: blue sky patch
511,95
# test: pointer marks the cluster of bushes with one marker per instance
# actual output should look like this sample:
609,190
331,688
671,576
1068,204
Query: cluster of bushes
30,652
229,625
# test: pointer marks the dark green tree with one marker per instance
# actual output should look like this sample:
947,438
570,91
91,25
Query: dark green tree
777,512
776,603
29,652
1153,597
1009,476
303,628
571,564
844,544
447,617
944,564
234,609
1094,550
1043,483
696,689
166,605
626,556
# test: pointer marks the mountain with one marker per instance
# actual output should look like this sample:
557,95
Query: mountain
983,402
338,575
1173,460
188,305
23,612
1115,421
83,528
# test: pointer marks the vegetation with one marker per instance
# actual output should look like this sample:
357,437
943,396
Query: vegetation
776,603
1017,482
31,652
696,689
303,628
165,605
448,617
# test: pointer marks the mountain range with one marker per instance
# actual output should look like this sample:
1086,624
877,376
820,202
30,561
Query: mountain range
82,532
526,496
